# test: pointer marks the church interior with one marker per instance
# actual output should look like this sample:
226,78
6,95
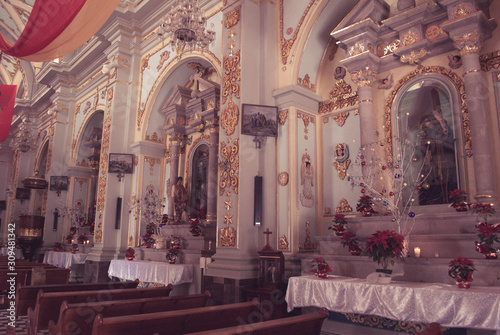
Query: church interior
319,155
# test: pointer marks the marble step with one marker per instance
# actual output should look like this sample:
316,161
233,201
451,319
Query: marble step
431,270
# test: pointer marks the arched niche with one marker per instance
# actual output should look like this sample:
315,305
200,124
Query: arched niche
92,133
428,110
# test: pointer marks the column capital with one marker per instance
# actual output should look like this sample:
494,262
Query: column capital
364,77
176,138
469,43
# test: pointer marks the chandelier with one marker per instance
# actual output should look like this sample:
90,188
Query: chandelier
24,140
185,27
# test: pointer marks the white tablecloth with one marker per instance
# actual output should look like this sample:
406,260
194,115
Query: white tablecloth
64,259
153,272
477,307
4,251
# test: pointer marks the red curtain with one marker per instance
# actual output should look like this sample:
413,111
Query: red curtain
57,27
7,99
47,20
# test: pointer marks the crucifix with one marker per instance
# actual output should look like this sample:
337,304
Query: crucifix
267,233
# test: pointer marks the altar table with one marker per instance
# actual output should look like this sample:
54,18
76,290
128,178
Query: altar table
153,272
64,259
477,307
18,253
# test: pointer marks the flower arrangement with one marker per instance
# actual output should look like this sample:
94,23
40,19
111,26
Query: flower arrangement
74,248
130,255
350,241
365,205
69,238
340,223
57,246
173,251
147,238
461,269
82,239
320,267
195,227
487,232
458,198
383,246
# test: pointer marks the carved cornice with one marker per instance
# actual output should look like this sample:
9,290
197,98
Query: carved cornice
364,77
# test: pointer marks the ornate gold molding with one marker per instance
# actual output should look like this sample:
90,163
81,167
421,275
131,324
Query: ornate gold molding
490,61
411,37
463,103
469,43
340,118
343,206
364,77
229,118
306,82
413,57
227,234
461,10
231,77
282,116
341,96
283,178
229,166
232,18
283,243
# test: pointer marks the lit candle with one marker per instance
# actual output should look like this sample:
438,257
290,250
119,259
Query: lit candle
417,251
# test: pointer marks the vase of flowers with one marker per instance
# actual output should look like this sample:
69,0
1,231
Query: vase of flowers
384,246
462,269
195,227
320,267
458,198
487,232
350,241
173,251
365,206
340,224
130,254
58,246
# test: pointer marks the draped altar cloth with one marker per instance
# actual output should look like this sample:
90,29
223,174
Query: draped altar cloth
152,272
477,307
64,259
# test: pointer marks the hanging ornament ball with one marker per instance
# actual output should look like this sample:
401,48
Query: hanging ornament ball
361,184
363,163
426,186
419,188
397,166
397,175
362,157
411,214
393,219
391,193
385,203
414,159
363,190
383,167
383,191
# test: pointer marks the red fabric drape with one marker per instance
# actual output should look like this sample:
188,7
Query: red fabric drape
48,19
7,99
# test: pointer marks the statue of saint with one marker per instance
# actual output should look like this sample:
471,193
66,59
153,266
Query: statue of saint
180,197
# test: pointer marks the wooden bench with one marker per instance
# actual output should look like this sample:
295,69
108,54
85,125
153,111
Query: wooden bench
48,304
432,329
26,295
53,275
79,318
306,324
177,322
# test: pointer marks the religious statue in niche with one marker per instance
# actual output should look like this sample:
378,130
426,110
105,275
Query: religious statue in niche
180,197
307,181
342,160
198,192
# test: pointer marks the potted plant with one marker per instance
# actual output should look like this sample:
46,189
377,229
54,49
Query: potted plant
350,241
487,232
340,224
461,269
383,247
194,227
173,251
458,198
320,267
365,206
130,255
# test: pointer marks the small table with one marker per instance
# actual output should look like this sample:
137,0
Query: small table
64,259
152,272
18,253
477,307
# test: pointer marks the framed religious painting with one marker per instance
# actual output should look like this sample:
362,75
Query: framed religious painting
259,120
121,163
59,183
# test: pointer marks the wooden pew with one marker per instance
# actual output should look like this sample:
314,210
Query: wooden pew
306,324
176,322
26,295
48,304
432,329
79,318
24,276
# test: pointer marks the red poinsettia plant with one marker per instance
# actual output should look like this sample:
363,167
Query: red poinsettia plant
487,232
320,267
383,246
130,254
195,227
340,224
458,198
350,241
147,239
365,205
58,246
461,269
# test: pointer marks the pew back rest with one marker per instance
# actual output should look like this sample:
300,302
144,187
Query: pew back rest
177,322
78,318
306,324
48,305
26,295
